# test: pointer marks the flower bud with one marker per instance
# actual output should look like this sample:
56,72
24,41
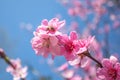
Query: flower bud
2,54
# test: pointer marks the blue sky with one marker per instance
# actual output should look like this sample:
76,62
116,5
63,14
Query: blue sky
16,41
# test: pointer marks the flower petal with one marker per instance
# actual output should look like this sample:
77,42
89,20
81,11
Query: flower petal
45,22
113,59
53,40
74,62
73,35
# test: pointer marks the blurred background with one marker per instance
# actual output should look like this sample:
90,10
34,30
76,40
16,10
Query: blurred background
19,18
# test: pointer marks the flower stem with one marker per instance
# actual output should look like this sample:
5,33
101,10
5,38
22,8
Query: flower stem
95,60
7,60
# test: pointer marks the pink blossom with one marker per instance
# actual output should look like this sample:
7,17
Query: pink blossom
51,26
84,44
110,69
74,62
79,61
73,49
45,41
18,72
69,45
44,44
96,47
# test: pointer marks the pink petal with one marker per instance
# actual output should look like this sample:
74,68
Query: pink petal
54,19
84,62
24,72
117,66
81,50
45,22
55,50
74,62
90,39
100,73
113,59
61,24
106,63
63,67
53,40
73,35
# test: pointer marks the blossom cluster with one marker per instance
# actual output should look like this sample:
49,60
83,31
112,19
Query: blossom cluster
99,17
48,40
19,72
15,68
110,70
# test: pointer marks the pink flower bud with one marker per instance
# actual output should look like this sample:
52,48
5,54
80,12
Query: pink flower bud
2,54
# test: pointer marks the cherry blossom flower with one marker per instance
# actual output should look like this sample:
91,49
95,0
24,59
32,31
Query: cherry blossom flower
69,44
81,59
110,69
84,44
44,44
18,72
45,41
51,26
